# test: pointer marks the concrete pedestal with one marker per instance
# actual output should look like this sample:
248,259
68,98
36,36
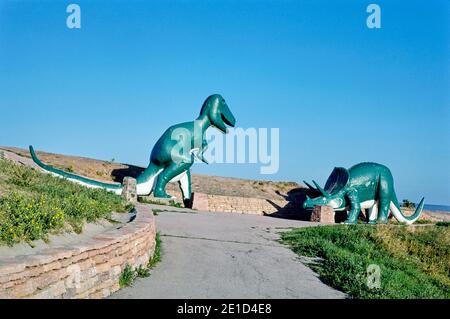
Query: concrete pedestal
129,192
323,214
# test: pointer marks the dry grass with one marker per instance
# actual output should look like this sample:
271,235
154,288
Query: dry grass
428,247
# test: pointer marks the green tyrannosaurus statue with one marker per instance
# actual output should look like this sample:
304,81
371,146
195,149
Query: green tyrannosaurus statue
365,185
171,157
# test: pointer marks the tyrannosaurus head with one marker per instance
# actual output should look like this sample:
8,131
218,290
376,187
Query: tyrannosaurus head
218,112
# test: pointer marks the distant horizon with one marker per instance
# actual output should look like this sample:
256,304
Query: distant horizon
339,92
437,206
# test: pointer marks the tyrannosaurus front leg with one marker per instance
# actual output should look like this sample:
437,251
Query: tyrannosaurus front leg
355,207
201,153
172,170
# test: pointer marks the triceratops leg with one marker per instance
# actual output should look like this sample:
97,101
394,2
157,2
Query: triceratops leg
384,192
373,213
355,208
383,211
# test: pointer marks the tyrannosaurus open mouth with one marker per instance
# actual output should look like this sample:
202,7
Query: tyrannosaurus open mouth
229,122
225,117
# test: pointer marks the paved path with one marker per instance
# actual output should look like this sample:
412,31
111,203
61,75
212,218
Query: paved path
226,255
222,255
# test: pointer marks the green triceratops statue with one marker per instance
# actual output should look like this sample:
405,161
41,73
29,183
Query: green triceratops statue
365,185
171,157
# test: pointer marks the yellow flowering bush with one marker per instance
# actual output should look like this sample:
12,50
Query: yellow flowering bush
38,203
28,218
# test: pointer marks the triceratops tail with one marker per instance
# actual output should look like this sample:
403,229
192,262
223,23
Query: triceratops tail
116,188
397,212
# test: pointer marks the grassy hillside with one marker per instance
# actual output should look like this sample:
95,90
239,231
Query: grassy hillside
33,204
414,261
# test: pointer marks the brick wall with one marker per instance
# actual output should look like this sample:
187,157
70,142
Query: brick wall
84,270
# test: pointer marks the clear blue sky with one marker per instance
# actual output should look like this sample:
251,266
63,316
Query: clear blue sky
339,92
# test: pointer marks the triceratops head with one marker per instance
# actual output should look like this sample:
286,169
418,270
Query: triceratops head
333,194
218,112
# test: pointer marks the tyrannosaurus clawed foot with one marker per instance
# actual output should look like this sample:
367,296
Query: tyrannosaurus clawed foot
160,193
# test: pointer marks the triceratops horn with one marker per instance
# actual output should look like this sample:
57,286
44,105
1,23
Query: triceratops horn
309,185
324,193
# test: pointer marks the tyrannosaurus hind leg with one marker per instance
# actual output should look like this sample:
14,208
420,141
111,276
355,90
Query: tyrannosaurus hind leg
171,171
185,186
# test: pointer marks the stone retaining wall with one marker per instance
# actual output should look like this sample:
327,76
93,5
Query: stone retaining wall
85,270
243,205
260,206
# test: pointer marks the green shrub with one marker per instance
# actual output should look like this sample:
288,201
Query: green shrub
408,204
443,224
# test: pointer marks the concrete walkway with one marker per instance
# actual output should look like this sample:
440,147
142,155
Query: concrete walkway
226,255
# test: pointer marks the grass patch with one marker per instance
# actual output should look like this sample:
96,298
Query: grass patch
424,221
171,202
34,204
142,272
414,261
175,204
129,274
157,253
156,211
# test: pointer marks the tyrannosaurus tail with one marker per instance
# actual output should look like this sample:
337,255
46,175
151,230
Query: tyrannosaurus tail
144,182
116,188
397,212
